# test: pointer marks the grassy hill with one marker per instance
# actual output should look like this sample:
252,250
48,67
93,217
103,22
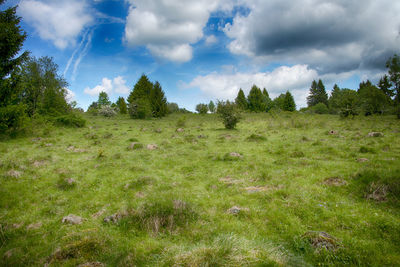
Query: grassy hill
280,190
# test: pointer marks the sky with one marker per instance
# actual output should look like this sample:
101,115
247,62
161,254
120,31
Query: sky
202,50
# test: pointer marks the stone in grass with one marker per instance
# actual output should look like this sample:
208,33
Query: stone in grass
179,130
375,134
116,217
321,240
14,174
34,226
152,147
135,145
335,181
377,192
236,210
332,132
92,264
72,219
362,160
158,130
232,156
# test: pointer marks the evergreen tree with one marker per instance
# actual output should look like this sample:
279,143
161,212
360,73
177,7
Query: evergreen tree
139,104
211,106
12,37
288,102
279,101
255,100
386,86
334,99
103,100
241,100
158,101
121,104
317,94
393,65
371,99
267,100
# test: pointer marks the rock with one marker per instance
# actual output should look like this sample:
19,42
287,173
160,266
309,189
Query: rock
321,240
36,139
39,163
99,213
236,210
362,160
235,155
333,132
152,147
92,264
375,134
70,181
114,218
179,130
335,181
201,136
49,144
377,192
135,145
14,173
72,219
158,130
34,226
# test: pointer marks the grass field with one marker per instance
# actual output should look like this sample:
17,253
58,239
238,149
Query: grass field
299,190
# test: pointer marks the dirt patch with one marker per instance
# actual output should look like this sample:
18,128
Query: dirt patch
14,174
39,163
377,192
335,181
229,180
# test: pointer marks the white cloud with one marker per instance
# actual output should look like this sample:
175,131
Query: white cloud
211,39
117,85
120,85
168,28
58,21
331,36
296,79
105,86
70,95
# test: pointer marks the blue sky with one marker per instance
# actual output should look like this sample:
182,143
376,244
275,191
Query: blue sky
202,50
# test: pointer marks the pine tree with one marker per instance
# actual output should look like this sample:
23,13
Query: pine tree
121,104
288,102
158,101
241,100
211,106
334,99
139,104
256,100
317,94
267,100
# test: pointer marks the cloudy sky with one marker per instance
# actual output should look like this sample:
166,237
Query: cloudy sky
202,50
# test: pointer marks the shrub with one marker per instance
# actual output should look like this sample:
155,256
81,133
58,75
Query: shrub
71,120
229,114
202,108
320,108
12,118
107,111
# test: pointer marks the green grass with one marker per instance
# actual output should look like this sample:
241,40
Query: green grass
172,202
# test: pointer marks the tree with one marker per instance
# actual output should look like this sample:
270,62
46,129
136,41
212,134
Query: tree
241,100
317,94
103,100
202,108
279,101
288,102
121,104
211,106
139,108
386,86
393,65
348,103
12,37
229,114
158,101
172,108
334,98
255,100
372,100
267,100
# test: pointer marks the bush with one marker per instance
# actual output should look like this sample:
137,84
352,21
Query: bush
229,113
107,111
202,108
12,118
320,108
71,120
140,109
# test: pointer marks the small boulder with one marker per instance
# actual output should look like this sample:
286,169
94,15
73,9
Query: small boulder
235,155
236,210
116,217
179,130
332,132
152,147
14,174
135,145
72,219
48,144
70,181
375,134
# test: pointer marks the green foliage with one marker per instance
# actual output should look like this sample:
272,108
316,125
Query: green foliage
372,100
317,94
141,90
103,100
92,109
71,120
122,105
256,100
229,113
172,108
320,108
158,101
140,109
211,107
288,102
12,118
106,111
267,99
393,66
202,108
241,101
279,101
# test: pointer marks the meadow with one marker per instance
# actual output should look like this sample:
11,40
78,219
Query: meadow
283,189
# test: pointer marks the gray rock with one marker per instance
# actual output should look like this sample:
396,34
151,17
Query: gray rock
152,147
375,134
72,219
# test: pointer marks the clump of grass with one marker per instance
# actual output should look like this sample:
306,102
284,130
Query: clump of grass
364,149
297,154
162,214
65,183
181,122
101,154
256,138
139,182
91,136
133,139
107,135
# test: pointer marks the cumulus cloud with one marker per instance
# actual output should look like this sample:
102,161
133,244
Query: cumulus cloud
211,39
296,79
58,21
117,85
168,28
330,36
70,96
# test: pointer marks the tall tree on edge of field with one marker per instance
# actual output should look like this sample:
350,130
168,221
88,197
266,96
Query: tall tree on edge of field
317,94
122,105
241,100
158,101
